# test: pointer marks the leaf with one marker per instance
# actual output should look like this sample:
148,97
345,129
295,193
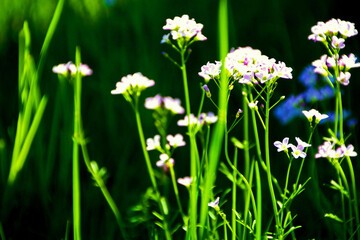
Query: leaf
158,215
338,187
333,217
237,143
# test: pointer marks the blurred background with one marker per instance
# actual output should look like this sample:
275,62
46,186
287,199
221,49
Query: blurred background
120,37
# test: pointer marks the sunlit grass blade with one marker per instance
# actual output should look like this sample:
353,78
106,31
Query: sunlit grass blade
18,163
49,35
218,133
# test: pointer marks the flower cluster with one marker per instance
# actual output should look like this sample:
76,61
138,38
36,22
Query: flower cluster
210,70
327,150
344,64
173,141
247,65
333,34
132,85
297,151
168,103
335,31
197,123
183,29
70,68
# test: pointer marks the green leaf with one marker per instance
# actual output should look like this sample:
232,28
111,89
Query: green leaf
158,215
333,217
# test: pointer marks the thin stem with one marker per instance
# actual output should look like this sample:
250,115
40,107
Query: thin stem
75,165
303,160
100,182
176,191
193,163
267,158
234,188
149,167
353,184
258,216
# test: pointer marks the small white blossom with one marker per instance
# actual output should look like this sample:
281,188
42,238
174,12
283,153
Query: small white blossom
282,145
165,162
215,204
349,150
186,181
184,27
132,84
176,141
314,113
153,143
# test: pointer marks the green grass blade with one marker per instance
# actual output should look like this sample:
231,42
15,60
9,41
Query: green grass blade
18,163
49,35
217,138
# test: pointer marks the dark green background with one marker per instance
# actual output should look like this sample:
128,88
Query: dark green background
122,39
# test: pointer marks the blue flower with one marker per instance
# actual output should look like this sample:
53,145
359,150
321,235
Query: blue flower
312,95
289,109
327,92
308,76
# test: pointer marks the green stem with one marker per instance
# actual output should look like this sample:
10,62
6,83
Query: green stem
267,158
347,189
285,188
149,167
246,135
76,169
303,160
193,163
100,182
258,216
233,215
353,184
176,191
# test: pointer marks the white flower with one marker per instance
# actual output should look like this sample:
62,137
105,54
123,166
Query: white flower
185,122
184,27
173,105
324,150
186,181
153,143
210,70
253,105
132,84
282,145
165,161
153,102
314,113
215,204
71,68
349,150
344,78
176,141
